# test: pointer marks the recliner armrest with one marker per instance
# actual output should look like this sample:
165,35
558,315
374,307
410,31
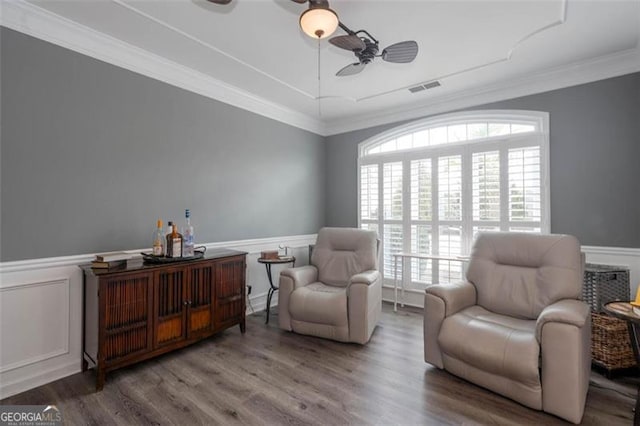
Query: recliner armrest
566,311
301,276
366,277
456,296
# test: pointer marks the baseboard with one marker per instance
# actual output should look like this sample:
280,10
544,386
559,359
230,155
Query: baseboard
39,378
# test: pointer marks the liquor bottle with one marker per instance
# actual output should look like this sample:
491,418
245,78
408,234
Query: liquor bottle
169,228
187,234
158,240
174,243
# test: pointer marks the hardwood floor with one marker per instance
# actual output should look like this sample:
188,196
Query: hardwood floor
269,376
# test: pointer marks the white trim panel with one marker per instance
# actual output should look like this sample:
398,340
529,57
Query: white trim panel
40,326
44,301
52,304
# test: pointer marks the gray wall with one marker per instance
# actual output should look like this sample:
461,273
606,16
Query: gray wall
595,161
92,154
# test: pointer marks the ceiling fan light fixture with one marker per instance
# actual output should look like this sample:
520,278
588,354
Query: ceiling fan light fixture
318,22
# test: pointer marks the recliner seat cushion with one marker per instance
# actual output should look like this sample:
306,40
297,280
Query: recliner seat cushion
494,343
319,303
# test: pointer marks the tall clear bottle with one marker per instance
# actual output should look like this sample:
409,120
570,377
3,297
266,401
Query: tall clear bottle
158,240
187,235
174,243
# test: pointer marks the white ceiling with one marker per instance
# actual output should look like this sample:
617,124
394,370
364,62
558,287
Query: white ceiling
470,46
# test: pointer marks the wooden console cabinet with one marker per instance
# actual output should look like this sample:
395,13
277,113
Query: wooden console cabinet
141,311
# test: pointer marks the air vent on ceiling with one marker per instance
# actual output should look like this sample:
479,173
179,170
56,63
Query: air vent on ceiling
424,86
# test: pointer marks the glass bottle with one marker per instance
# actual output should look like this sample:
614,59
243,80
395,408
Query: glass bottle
158,240
169,227
187,234
174,243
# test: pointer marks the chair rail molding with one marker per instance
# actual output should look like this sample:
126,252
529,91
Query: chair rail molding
41,310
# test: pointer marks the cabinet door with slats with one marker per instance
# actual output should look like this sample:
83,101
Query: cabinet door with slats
127,305
169,306
200,300
230,289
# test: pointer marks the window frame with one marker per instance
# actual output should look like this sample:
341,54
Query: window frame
466,149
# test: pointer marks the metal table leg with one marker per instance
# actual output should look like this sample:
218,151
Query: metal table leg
272,290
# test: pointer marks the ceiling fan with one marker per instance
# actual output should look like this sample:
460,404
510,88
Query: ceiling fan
320,21
367,48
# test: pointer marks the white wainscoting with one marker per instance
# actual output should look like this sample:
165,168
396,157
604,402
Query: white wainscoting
619,256
41,310
41,306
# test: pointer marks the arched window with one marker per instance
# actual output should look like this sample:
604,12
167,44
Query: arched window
429,186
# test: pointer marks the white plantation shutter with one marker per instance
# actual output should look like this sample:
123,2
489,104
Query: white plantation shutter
421,219
486,186
369,206
450,188
431,188
392,243
450,241
421,186
392,186
524,185
392,219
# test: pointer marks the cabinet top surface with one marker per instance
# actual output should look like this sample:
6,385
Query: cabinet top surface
136,264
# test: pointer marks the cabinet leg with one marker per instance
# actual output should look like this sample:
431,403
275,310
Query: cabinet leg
100,378
85,364
243,326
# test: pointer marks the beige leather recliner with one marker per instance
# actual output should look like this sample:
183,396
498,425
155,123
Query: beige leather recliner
339,295
516,326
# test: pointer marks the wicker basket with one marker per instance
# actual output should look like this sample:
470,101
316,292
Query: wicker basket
603,284
610,344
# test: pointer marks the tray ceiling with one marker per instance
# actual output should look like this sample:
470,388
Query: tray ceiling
469,46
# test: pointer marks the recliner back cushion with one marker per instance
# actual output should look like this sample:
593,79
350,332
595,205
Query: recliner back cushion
520,274
340,253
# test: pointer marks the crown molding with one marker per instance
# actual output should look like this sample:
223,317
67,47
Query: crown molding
608,66
32,20
27,18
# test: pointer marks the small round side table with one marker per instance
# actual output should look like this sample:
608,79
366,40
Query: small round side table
624,311
267,263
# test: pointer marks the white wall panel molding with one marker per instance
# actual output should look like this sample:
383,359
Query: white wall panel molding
40,23
41,309
40,326
27,300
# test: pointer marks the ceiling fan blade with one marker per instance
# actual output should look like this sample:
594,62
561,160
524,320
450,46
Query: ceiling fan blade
351,69
300,1
348,42
403,52
220,1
